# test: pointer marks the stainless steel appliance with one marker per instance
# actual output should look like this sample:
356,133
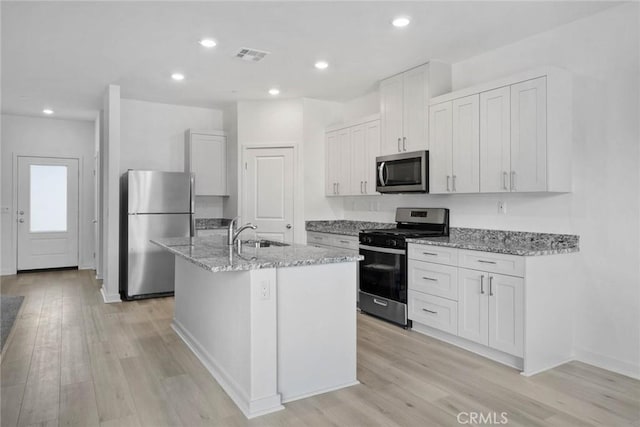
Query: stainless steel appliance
153,204
403,173
383,273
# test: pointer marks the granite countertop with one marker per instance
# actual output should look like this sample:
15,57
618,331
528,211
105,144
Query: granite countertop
211,223
212,253
505,242
345,227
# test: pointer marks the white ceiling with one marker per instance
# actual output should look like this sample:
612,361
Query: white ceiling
63,54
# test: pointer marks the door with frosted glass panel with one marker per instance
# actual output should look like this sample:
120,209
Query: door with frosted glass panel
47,213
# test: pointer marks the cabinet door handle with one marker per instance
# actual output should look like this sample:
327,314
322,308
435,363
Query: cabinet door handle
404,143
430,253
430,278
490,286
504,181
365,187
338,187
482,284
453,181
448,179
513,180
430,311
334,188
399,147
486,262
361,190
346,242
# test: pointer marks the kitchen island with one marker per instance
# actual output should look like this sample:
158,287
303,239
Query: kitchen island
271,324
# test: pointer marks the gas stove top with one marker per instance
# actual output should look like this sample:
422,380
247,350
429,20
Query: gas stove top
411,223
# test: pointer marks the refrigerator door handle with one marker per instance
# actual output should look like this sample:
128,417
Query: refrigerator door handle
192,221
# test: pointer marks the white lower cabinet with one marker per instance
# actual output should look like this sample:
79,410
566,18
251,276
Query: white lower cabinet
439,313
476,300
490,310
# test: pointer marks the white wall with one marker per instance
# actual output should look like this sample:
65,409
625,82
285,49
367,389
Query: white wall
271,123
110,188
602,53
362,106
317,115
153,135
230,126
47,137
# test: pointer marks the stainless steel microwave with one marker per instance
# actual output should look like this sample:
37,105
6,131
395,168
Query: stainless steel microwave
403,173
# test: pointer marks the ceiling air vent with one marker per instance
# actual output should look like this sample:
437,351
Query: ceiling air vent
251,55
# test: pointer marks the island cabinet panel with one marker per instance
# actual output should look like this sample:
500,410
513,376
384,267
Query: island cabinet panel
268,335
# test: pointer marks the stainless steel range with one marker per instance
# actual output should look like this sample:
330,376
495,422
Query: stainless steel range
383,273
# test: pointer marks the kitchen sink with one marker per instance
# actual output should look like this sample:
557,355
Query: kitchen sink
262,243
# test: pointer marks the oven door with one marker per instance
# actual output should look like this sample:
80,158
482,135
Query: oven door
383,272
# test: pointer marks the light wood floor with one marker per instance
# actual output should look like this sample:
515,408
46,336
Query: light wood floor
72,360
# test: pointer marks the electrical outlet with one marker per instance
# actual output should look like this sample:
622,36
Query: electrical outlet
502,207
265,290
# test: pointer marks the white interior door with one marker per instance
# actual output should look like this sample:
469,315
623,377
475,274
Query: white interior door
47,213
269,192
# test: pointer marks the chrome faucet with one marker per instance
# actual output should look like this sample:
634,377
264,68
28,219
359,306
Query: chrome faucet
233,234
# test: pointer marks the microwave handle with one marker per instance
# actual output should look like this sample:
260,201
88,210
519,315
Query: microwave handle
381,174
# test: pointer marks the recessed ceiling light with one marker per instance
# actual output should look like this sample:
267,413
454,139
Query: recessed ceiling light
208,43
177,76
401,21
321,65
274,91
47,111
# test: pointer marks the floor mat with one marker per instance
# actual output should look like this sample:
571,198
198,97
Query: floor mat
9,307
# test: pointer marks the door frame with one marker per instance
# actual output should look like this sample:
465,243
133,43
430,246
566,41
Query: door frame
298,195
14,206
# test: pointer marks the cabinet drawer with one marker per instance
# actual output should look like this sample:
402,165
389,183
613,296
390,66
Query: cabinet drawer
318,238
439,313
512,265
437,254
345,242
434,279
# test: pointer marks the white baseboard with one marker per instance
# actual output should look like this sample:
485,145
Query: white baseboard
315,393
526,373
86,267
109,298
8,272
250,408
609,363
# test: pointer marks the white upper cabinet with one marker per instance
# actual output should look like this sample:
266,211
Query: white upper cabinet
404,99
338,151
465,155
206,158
525,135
391,108
350,159
440,148
495,135
529,135
454,146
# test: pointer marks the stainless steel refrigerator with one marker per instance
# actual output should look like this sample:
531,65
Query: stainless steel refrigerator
153,205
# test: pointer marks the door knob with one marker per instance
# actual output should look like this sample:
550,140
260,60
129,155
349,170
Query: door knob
288,226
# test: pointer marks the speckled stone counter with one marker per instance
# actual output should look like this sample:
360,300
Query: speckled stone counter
345,227
505,242
213,254
211,223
